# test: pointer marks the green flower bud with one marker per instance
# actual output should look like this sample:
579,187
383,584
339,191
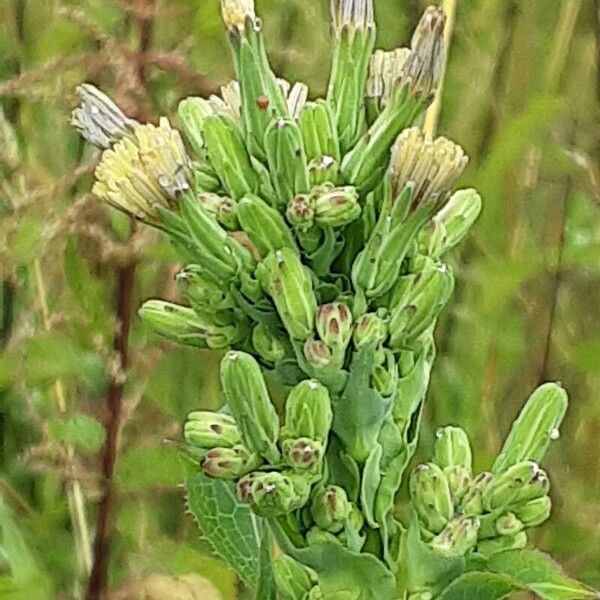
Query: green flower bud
186,326
272,494
286,159
268,346
377,267
431,497
261,97
316,536
223,209
452,448
206,429
323,170
227,152
287,281
410,322
229,463
301,212
201,292
534,512
308,412
385,375
334,324
264,225
302,453
459,481
458,537
520,483
505,542
336,207
471,504
508,524
369,329
354,30
456,218
535,428
318,354
293,580
330,508
319,133
192,114
244,487
248,399
220,255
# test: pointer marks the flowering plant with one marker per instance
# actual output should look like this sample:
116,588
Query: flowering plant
313,235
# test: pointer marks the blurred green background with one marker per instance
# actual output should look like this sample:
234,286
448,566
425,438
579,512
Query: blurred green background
522,97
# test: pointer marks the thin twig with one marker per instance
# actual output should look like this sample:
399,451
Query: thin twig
98,582
433,113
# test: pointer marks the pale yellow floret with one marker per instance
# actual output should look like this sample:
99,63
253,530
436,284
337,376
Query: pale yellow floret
432,166
384,72
144,172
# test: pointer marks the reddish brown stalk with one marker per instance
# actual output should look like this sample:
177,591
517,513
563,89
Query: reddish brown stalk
98,582
97,585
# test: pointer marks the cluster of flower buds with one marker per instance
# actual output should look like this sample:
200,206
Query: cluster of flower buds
274,467
460,512
313,235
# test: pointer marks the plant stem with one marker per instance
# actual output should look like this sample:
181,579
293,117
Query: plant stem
433,113
98,582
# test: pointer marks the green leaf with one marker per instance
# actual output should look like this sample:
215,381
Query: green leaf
480,585
359,414
343,574
81,431
51,355
539,573
230,526
266,589
420,567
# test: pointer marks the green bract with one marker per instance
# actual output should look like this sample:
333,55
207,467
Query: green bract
313,236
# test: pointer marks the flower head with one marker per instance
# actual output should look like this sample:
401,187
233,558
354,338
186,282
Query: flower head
235,13
151,168
384,72
432,166
423,67
355,14
98,119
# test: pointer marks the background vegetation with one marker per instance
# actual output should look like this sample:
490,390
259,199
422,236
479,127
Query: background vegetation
88,398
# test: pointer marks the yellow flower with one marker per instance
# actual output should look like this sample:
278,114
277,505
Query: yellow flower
432,166
144,171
